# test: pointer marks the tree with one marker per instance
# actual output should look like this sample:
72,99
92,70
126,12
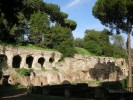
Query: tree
91,42
9,18
118,46
104,41
39,25
118,40
118,15
31,6
78,42
97,42
59,17
53,10
69,24
3,27
61,39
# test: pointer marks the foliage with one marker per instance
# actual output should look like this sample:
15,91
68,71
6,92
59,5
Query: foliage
69,24
78,42
52,10
118,40
118,46
97,42
61,39
91,41
82,51
24,72
39,24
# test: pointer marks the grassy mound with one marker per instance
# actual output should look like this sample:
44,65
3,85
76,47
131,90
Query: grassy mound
82,51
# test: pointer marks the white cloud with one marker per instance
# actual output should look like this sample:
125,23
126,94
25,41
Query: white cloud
74,3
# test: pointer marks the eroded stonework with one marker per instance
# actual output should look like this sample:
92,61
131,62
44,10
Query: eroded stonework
74,70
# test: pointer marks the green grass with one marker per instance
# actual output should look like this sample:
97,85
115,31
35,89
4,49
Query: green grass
30,46
82,51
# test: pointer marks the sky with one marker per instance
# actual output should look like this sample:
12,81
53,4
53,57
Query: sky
81,12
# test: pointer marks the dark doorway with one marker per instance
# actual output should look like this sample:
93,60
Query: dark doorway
66,82
3,61
41,61
16,61
51,60
29,61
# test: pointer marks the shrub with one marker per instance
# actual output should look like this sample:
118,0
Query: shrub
24,72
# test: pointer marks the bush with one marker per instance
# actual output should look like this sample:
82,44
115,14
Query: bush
24,72
66,48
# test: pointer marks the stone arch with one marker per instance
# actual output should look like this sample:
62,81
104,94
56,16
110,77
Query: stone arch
66,82
51,59
29,61
3,60
16,61
41,61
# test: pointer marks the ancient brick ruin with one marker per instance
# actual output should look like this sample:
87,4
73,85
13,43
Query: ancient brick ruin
74,70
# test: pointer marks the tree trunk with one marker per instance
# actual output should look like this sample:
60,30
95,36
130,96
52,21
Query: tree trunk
129,57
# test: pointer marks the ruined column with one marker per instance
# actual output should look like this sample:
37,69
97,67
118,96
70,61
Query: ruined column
47,64
9,60
23,62
47,57
35,63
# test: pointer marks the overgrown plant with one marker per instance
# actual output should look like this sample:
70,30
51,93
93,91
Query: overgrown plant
24,72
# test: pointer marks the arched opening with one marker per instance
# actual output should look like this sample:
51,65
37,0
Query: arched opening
29,61
16,61
66,82
3,61
41,61
51,60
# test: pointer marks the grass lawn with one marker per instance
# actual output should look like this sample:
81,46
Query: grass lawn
31,46
82,51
